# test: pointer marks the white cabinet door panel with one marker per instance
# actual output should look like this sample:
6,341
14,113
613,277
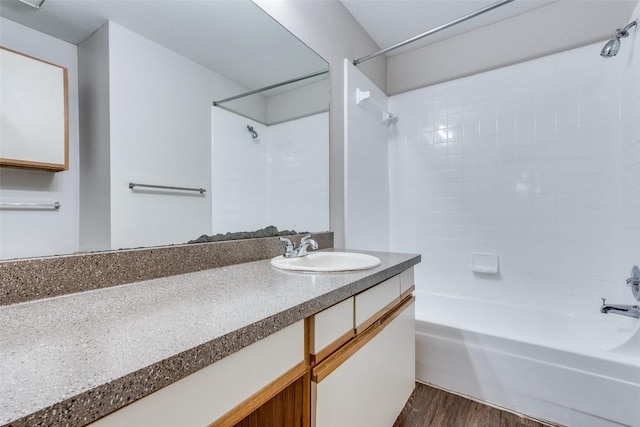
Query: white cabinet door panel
331,324
407,280
372,386
34,113
374,299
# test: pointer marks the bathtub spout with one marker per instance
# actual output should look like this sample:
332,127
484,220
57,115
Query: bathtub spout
622,309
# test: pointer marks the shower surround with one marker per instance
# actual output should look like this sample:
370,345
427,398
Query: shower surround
538,163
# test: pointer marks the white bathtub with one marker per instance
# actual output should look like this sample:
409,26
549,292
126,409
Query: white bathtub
575,370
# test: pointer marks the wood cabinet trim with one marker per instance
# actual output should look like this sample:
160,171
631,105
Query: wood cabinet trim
408,292
308,360
332,362
23,164
306,400
322,354
390,317
252,403
307,341
373,319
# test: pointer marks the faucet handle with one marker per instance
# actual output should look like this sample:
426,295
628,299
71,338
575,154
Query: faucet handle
286,240
289,244
634,280
290,249
604,301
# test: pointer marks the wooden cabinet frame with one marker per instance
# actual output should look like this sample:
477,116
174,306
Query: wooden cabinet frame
34,109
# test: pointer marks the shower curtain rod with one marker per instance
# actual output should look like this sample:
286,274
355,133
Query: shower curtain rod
433,31
262,89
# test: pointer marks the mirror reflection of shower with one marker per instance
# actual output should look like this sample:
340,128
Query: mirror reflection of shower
612,47
252,131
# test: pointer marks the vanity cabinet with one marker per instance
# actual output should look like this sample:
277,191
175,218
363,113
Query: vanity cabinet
351,364
368,380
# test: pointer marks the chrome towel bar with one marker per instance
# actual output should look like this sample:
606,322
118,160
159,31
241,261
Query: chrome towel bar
166,187
18,205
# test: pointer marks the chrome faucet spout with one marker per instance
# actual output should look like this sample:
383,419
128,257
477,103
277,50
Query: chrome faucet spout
305,242
621,309
292,251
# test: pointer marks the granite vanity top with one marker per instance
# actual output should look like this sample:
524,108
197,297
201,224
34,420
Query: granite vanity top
72,359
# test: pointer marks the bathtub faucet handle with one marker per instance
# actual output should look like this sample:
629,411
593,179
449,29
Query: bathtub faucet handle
634,282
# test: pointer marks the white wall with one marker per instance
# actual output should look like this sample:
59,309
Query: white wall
159,133
160,130
329,29
560,26
36,233
95,153
366,164
301,102
533,162
280,178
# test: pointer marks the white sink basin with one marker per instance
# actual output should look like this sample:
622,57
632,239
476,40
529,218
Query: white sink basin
327,261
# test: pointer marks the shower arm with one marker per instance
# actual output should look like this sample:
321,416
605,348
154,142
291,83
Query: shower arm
624,32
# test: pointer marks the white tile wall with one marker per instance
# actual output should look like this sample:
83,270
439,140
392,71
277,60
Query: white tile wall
298,158
280,178
238,188
537,162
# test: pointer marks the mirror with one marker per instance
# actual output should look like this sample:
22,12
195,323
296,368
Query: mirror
143,78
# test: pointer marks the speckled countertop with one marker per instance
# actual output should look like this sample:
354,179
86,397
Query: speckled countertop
72,359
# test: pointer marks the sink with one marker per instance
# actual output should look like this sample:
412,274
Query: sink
327,261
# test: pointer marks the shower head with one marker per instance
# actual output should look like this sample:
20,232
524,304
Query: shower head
613,46
252,131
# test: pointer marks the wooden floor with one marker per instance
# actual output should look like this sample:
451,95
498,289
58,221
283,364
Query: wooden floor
432,407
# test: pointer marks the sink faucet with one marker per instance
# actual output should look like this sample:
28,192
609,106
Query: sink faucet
292,251
622,309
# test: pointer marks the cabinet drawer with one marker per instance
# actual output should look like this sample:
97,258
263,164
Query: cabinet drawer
374,302
206,395
330,329
407,281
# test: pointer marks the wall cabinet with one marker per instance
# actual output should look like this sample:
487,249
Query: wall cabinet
34,124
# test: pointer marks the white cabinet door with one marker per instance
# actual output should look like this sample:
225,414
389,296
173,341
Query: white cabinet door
34,128
375,301
372,386
331,328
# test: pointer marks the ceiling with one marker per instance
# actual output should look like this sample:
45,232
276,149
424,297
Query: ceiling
234,38
413,17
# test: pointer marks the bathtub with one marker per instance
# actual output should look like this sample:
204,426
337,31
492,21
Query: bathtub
574,370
